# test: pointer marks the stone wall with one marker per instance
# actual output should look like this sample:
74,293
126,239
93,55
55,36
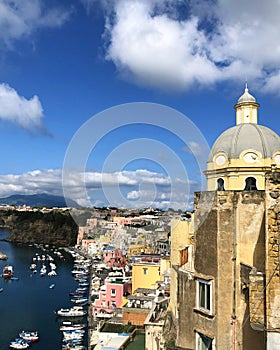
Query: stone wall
257,300
272,260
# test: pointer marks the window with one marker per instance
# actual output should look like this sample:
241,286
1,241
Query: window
203,342
113,292
204,295
220,184
145,271
184,256
251,184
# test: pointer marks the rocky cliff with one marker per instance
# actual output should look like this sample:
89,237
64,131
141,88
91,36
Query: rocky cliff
55,227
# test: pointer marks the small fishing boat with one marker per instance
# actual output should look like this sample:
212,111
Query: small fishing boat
79,300
43,270
31,336
84,284
8,271
77,293
33,267
69,326
19,344
76,333
52,273
74,344
72,312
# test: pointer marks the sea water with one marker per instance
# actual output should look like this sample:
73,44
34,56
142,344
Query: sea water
28,303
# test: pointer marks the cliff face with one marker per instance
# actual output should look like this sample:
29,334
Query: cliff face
55,228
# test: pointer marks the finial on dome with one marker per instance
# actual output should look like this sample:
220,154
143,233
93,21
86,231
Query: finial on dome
246,97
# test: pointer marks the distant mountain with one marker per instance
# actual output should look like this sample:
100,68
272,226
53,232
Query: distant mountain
39,200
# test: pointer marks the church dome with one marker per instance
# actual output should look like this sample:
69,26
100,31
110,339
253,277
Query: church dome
242,137
244,153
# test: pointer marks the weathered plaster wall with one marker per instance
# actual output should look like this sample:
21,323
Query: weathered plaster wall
232,232
181,236
272,260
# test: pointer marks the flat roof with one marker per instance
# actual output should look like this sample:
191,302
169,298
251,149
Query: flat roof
111,341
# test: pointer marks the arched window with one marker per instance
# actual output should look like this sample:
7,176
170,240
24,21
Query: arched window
251,184
220,184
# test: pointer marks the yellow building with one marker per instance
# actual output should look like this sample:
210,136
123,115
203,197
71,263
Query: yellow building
139,247
145,275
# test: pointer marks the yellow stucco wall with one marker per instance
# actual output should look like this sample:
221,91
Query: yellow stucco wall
181,236
145,275
235,171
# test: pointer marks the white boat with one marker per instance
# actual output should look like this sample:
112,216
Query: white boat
52,273
69,326
72,312
76,334
52,266
8,271
29,336
43,270
19,344
72,345
33,267
79,300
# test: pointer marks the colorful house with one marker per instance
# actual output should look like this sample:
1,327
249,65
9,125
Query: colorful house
145,271
111,296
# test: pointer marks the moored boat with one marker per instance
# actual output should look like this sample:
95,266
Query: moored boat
31,336
69,326
79,300
43,270
19,344
8,271
33,267
74,334
72,312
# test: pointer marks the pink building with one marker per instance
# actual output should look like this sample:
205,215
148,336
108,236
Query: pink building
122,221
86,243
126,221
110,297
111,254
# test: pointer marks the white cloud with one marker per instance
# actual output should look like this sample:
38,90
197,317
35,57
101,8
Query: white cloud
37,181
153,44
17,109
139,188
134,195
20,18
158,51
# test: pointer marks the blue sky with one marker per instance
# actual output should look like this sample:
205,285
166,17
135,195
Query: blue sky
64,62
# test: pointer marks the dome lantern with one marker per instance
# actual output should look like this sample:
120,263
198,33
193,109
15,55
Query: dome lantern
246,108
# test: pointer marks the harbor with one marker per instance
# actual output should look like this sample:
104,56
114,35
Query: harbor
34,298
28,303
